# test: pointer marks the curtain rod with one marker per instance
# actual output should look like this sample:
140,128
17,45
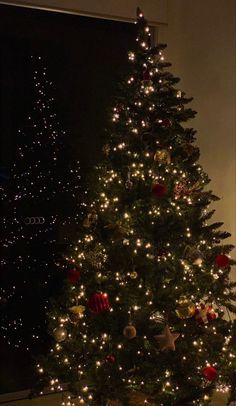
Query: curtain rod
79,12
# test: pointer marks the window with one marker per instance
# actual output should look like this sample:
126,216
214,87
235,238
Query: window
84,58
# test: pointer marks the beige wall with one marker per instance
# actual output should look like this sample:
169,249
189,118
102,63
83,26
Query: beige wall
201,37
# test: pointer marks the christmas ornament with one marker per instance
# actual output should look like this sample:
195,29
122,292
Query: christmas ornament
166,123
76,313
210,373
166,340
90,220
197,257
182,188
133,275
60,334
186,308
211,313
158,190
146,75
128,183
110,358
205,313
193,255
116,232
222,261
99,302
130,332
162,156
96,257
179,189
73,275
157,317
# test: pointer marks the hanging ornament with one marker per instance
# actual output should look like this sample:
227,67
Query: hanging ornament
166,123
90,220
193,255
159,190
222,261
157,317
196,257
130,332
133,275
179,189
186,308
205,313
116,231
182,188
128,183
162,156
110,359
96,257
166,340
99,302
211,313
146,75
76,313
210,373
73,275
60,334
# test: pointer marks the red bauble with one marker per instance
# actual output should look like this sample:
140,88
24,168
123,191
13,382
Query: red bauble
146,75
99,302
167,123
210,373
111,359
222,260
73,275
158,190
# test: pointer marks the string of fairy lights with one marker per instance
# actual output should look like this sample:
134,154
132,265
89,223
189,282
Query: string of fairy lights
71,324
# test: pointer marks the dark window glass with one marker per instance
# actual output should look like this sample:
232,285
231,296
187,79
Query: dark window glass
85,58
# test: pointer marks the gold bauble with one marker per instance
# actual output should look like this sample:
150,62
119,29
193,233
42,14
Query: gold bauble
133,275
77,309
60,334
76,313
186,308
130,332
162,156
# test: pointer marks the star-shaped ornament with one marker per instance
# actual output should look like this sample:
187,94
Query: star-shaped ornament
166,340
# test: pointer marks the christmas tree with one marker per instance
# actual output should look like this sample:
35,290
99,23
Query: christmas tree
141,318
39,201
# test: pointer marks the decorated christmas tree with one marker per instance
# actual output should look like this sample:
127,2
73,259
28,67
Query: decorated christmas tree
144,316
39,201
